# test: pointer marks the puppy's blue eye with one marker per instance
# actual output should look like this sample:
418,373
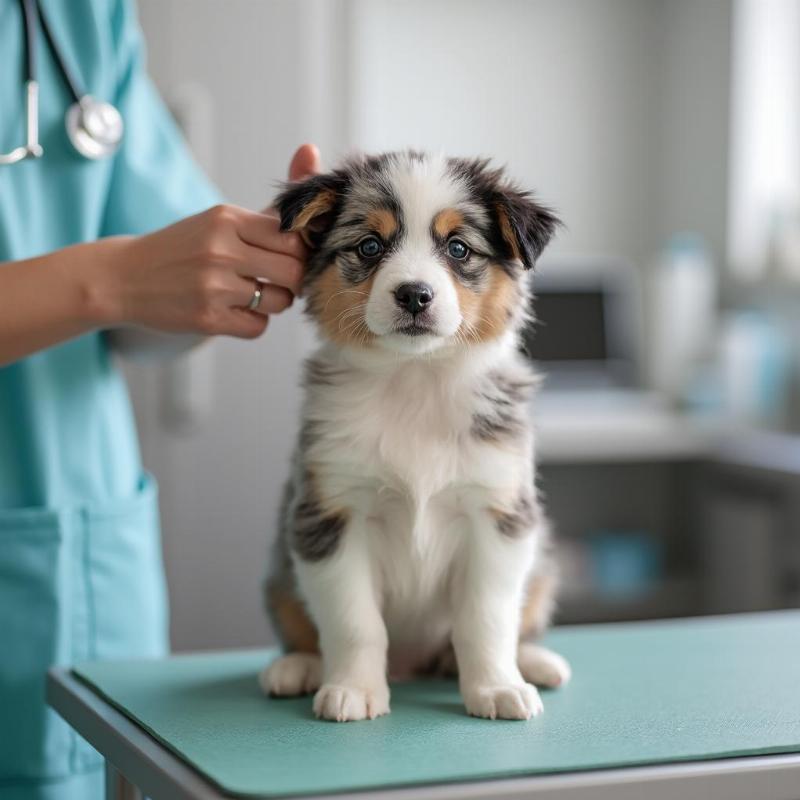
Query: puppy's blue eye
457,249
370,247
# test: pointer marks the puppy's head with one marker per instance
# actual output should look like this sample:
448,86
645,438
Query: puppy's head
411,252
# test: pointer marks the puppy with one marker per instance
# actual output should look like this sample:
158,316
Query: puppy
411,538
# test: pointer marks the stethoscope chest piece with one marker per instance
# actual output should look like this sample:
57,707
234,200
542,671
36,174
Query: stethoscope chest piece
94,127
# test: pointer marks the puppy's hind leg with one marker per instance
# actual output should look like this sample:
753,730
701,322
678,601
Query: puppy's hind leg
299,671
538,665
291,675
542,667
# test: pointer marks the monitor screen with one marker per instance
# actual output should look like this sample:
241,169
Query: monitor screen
569,326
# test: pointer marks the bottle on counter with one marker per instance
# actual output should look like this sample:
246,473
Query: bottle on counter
683,307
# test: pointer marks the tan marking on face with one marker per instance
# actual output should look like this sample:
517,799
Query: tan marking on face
321,204
487,313
382,221
340,307
508,231
298,633
445,222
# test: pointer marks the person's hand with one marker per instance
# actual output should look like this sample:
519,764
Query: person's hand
199,275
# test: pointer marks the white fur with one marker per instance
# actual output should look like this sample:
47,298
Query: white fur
421,561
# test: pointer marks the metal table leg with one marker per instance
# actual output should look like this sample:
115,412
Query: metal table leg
118,787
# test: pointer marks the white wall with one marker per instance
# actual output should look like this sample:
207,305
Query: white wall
557,90
611,109
691,98
615,111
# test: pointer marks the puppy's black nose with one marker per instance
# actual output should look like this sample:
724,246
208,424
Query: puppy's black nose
413,297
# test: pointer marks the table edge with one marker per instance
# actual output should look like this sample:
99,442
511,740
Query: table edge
159,773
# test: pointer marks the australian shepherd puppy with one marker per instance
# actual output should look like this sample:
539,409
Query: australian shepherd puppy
411,537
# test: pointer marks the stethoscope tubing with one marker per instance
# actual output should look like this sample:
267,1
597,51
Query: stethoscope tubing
30,11
31,148
67,74
89,139
33,17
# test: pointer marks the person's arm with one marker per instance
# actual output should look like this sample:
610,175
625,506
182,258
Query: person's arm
196,276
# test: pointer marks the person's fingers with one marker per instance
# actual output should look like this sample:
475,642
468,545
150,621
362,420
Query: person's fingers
277,268
305,161
273,300
263,230
245,324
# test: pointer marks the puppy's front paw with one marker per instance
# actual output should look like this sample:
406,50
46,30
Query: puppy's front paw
505,701
349,703
292,674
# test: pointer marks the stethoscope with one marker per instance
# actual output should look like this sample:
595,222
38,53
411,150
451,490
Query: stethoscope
94,127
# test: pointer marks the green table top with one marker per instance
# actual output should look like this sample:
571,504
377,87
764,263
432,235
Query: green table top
642,693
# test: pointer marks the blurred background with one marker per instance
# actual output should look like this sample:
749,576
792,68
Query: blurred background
667,135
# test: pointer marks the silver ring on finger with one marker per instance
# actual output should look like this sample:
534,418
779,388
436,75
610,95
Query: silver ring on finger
255,300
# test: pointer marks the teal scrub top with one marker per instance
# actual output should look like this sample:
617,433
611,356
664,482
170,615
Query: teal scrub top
80,556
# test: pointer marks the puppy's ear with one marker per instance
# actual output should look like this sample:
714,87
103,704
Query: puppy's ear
309,207
525,225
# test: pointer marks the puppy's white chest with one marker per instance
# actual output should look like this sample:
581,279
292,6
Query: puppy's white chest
415,550
426,448
410,432
419,442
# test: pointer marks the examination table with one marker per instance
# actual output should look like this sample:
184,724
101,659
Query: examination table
704,708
